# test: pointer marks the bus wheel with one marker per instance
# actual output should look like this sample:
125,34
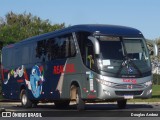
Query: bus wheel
25,100
79,101
34,103
121,104
62,103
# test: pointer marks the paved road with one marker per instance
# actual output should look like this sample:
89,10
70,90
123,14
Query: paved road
92,110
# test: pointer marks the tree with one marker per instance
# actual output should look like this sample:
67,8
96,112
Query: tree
16,27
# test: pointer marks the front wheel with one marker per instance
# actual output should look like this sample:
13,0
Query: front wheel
25,101
121,104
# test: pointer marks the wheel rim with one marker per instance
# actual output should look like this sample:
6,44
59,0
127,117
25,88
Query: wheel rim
24,99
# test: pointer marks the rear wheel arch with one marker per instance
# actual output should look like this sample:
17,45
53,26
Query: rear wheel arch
25,101
73,87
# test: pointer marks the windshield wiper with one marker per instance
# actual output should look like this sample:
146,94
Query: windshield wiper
127,61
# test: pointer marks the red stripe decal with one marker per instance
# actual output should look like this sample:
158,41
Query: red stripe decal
20,81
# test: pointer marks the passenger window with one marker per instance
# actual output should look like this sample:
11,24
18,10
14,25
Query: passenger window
56,48
86,49
41,48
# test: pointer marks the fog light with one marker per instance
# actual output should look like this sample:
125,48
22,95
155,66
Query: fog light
148,83
106,92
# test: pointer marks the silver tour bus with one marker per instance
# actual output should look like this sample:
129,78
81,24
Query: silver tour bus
85,63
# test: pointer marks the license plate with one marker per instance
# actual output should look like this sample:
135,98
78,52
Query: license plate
128,96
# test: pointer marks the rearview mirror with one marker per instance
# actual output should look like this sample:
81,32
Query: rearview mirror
152,46
95,43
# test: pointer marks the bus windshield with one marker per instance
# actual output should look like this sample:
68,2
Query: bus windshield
118,55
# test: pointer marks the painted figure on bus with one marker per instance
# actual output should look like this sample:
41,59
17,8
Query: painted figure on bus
14,73
36,80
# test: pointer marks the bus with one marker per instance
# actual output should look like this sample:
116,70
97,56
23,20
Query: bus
82,63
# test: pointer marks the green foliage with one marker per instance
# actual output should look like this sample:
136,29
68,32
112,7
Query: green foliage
16,27
156,79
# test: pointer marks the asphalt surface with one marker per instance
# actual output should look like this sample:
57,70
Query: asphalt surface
100,111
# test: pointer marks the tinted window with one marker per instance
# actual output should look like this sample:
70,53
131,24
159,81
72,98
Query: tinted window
111,50
56,48
41,48
82,38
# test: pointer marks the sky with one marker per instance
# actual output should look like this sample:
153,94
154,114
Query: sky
141,14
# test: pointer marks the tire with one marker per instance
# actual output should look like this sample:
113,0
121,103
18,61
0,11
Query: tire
25,101
79,101
34,103
62,103
122,104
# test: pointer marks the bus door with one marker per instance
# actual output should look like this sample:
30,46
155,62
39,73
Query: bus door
90,63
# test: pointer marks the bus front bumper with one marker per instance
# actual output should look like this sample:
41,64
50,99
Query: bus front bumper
111,93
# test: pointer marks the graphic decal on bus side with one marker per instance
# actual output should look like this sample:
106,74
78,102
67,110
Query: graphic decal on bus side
60,82
36,80
68,68
63,69
14,73
91,85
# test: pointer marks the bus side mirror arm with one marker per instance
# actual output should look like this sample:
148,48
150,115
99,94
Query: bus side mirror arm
155,48
96,44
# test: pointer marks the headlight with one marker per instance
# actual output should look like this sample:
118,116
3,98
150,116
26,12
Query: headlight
104,82
148,83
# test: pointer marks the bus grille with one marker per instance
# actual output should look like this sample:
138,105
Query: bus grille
124,86
122,93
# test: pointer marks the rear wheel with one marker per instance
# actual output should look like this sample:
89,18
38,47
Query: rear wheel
25,101
121,104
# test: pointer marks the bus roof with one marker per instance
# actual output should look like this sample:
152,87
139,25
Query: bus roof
114,30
